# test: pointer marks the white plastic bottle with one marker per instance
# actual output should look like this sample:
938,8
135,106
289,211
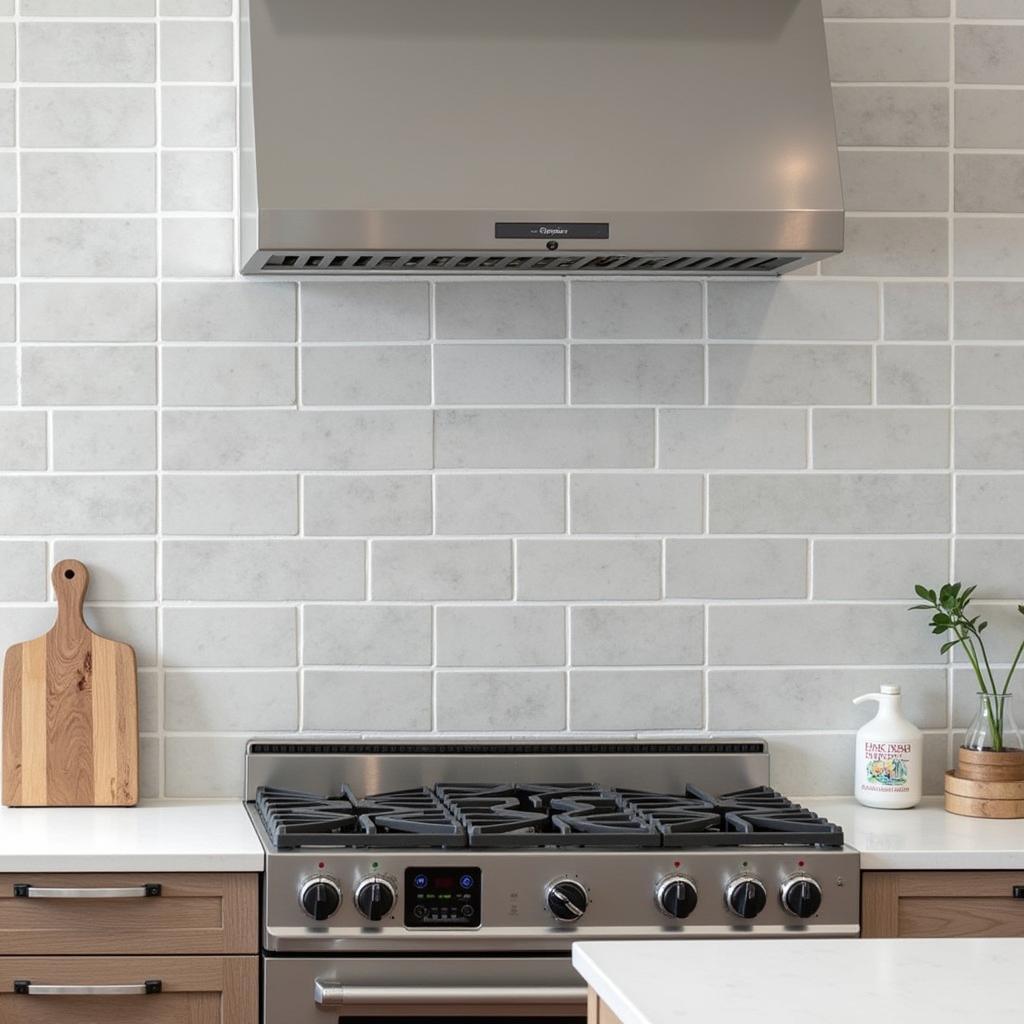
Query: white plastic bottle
888,755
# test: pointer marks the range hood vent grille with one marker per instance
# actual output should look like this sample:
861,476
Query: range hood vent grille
506,262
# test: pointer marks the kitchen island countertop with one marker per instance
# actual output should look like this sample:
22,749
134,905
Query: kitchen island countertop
919,980
170,835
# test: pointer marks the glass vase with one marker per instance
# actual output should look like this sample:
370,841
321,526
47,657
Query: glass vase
994,728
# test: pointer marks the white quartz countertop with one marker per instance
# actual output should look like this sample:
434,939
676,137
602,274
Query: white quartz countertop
924,838
919,981
154,836
188,835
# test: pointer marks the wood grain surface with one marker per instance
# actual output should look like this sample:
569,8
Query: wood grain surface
70,711
194,990
941,904
196,912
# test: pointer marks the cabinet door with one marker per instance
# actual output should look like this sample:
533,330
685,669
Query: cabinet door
942,904
128,913
107,990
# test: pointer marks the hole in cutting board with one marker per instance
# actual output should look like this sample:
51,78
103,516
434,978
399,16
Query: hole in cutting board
69,574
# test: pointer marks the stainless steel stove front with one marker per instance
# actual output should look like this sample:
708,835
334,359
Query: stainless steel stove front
512,964
621,890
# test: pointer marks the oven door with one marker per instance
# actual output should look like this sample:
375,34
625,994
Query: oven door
419,990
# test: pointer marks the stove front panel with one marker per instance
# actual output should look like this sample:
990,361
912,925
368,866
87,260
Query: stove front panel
509,897
423,990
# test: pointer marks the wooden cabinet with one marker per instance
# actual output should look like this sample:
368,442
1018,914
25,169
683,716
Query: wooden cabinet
185,989
187,946
185,913
597,1010
942,904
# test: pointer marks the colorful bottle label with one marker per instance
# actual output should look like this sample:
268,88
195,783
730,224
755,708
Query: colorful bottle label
886,767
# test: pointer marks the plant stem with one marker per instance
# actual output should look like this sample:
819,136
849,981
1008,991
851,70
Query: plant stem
1013,668
997,711
964,638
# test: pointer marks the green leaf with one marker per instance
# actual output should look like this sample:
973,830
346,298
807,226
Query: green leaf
954,588
984,625
926,608
946,646
922,592
1020,608
966,595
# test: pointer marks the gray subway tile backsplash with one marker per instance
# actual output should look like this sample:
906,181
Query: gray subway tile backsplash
503,636
602,699
566,570
367,634
519,505
70,51
637,310
75,117
902,116
543,438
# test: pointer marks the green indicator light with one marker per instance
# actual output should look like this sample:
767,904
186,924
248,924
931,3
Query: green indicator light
375,864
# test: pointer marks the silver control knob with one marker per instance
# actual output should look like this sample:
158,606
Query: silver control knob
676,896
801,896
566,899
375,898
746,896
320,897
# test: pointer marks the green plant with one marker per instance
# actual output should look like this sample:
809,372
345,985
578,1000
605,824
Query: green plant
951,616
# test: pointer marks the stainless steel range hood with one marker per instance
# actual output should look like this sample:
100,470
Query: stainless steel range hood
539,136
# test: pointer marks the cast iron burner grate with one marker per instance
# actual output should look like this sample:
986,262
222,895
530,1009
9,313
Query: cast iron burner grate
405,820
540,816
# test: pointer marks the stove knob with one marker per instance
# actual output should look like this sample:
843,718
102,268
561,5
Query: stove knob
566,899
320,897
374,898
676,896
746,897
801,896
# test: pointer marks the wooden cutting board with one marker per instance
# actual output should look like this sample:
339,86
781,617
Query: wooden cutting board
70,711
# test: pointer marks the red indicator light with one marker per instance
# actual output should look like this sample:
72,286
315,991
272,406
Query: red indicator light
800,863
323,865
676,863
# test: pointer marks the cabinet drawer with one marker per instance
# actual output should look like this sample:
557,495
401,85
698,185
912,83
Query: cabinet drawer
943,904
128,913
199,990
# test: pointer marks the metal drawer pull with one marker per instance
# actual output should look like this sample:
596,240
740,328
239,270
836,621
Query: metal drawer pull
145,988
1018,892
36,892
327,994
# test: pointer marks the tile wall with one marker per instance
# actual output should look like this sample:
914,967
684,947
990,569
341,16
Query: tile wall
505,506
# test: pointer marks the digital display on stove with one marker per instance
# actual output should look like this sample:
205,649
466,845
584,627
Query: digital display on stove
442,897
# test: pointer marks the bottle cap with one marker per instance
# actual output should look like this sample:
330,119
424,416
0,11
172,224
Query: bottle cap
893,690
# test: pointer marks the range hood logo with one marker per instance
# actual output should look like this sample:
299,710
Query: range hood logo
557,229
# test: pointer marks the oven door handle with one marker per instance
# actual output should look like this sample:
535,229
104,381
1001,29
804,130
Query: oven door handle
329,994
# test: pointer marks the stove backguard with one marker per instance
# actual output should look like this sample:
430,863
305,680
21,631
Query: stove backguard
718,765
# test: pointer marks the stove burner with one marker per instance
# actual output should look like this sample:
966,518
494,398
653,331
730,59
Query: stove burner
532,816
412,818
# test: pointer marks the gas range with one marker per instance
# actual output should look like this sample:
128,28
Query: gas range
496,857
